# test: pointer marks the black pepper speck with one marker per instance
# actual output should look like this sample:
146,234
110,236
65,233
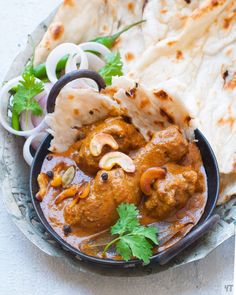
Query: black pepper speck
50,174
49,157
66,229
81,136
104,176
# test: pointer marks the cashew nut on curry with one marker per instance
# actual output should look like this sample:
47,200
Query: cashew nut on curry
111,163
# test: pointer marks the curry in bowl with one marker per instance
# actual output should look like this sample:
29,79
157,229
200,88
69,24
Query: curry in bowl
112,177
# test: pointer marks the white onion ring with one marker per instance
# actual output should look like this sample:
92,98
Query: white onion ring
57,53
95,62
42,100
73,60
26,149
4,99
94,46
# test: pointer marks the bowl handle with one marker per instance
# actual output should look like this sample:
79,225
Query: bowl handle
169,254
67,78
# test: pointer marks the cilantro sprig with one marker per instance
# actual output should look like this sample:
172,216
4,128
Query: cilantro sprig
113,67
24,97
134,240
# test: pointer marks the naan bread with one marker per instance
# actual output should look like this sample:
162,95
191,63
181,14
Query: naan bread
150,111
78,21
75,108
187,46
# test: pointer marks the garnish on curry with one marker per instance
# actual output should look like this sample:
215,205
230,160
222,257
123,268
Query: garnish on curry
112,164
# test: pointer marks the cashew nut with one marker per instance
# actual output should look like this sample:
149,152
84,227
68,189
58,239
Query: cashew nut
43,181
82,194
57,180
111,159
67,193
149,176
98,142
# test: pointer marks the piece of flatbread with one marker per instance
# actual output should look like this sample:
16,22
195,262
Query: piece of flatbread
150,111
73,109
78,21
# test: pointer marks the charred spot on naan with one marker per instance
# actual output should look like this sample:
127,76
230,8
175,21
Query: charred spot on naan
171,43
129,56
130,6
228,119
144,102
209,6
162,95
228,21
164,113
57,30
69,3
187,120
179,55
230,84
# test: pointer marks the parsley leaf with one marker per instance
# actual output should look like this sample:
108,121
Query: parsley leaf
113,67
134,240
26,90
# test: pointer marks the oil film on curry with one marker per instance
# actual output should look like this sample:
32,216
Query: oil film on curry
123,162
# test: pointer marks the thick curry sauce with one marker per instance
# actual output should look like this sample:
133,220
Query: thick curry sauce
81,188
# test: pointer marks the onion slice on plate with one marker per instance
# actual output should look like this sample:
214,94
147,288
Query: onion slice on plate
30,141
60,51
94,46
4,102
95,62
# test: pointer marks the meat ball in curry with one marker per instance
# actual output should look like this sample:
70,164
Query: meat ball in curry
172,192
124,134
98,211
168,145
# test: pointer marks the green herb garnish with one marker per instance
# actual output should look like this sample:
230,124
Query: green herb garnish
24,99
134,240
109,41
113,67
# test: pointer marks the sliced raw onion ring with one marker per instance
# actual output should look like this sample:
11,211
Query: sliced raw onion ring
95,62
58,53
42,100
73,60
94,46
4,101
29,141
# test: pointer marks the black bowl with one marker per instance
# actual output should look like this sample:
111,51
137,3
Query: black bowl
206,222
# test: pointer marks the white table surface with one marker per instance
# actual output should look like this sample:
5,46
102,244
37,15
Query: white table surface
24,269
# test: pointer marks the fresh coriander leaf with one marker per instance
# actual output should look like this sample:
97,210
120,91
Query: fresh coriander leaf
149,232
128,219
29,69
26,90
123,249
133,238
139,246
113,67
